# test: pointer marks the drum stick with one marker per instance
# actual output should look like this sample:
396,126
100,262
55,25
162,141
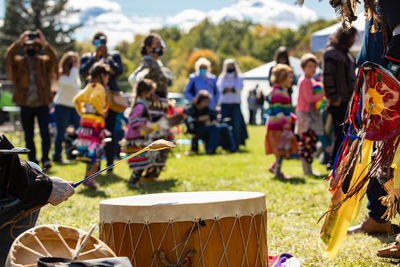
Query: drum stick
155,146
81,246
15,150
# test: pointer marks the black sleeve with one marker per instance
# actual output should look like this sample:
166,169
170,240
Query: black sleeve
87,62
20,180
329,72
189,111
212,114
115,63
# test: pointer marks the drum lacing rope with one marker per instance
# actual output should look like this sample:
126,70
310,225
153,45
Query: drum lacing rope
201,258
245,244
161,241
258,236
189,233
227,241
188,258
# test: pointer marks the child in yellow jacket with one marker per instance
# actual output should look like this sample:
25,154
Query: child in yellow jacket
92,106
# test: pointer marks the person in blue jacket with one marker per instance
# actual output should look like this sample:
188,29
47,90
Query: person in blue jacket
202,79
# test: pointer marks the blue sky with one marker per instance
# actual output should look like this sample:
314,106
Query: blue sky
172,7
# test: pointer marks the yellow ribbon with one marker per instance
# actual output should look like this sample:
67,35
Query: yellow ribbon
337,222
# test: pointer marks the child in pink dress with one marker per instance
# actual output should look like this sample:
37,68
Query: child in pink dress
309,121
136,135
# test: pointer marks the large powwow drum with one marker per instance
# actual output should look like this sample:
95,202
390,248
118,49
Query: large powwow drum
54,241
187,229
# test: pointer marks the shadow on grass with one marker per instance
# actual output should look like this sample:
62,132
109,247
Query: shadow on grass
163,185
92,193
243,150
109,178
386,239
293,180
57,166
319,177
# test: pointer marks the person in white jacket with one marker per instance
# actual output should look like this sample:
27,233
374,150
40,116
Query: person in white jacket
68,86
230,84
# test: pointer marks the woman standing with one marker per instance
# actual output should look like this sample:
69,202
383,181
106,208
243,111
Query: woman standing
282,57
153,69
202,79
68,86
230,84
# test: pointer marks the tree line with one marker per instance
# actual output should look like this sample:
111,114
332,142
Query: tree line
249,43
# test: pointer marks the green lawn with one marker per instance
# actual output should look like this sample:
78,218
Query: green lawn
293,207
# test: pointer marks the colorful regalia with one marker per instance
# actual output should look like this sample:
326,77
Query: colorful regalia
321,104
90,104
158,107
136,138
278,140
374,118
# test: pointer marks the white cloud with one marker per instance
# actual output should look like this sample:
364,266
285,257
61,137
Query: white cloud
186,19
107,16
266,12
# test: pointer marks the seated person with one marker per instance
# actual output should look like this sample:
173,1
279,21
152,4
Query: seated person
24,188
205,124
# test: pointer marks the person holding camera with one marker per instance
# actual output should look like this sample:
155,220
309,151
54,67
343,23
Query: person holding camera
113,59
32,75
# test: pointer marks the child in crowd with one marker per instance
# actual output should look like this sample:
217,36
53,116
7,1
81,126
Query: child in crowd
279,138
309,120
139,127
204,122
91,105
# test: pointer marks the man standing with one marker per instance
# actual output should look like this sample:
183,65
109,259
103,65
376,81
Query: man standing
113,58
338,77
32,75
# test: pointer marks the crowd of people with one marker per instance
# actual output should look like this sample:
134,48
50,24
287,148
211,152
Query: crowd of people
290,130
96,110
214,114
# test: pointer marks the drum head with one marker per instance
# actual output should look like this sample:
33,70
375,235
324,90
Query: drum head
54,241
381,91
184,206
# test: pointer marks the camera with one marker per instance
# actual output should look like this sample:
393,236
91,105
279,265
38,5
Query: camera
32,35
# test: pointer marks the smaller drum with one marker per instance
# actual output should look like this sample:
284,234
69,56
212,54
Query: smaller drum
54,241
195,228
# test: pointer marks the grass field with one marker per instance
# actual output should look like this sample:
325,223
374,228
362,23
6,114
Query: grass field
293,206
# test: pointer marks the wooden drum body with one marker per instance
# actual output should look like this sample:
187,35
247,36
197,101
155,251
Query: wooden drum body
201,228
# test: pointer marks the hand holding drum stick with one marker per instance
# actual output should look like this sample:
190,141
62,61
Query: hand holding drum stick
155,146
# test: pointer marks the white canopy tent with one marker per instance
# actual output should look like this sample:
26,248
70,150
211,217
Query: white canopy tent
319,39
